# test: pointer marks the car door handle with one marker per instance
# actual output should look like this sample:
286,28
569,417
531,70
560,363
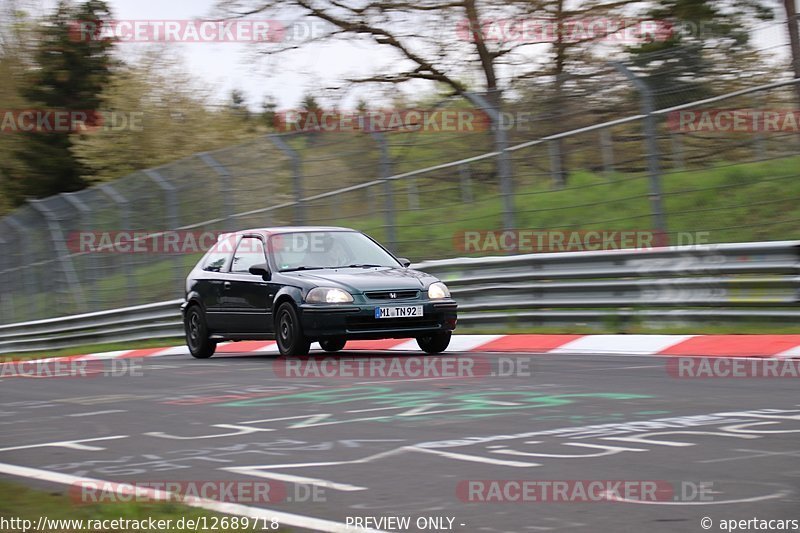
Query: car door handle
226,285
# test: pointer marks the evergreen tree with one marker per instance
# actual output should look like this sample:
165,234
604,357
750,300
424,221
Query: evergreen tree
69,74
706,39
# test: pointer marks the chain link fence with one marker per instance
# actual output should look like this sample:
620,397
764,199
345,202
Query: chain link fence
609,152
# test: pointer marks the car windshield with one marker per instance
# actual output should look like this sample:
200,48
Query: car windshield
327,249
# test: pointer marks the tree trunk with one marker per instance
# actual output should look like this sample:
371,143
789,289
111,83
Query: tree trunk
794,40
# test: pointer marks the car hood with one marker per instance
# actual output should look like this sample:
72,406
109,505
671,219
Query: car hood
356,280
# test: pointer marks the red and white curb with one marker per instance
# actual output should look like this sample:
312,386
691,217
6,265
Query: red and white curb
764,346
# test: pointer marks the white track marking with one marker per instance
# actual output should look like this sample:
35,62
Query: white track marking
755,454
71,444
104,355
626,367
175,350
99,413
629,344
289,478
472,458
608,450
468,343
738,428
779,494
283,518
406,346
789,354
267,471
644,438
272,347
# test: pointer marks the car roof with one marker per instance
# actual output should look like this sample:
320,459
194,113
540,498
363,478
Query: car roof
284,229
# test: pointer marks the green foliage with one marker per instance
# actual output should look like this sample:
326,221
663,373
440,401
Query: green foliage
168,116
702,40
69,75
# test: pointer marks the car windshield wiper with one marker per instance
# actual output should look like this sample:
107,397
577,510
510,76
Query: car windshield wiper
362,265
301,268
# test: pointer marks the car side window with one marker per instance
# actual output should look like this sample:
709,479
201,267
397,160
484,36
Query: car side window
249,252
219,255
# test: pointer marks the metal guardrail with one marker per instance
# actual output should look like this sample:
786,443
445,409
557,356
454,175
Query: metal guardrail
723,282
152,321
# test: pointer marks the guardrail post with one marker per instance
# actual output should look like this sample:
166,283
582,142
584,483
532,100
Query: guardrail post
297,176
225,187
173,221
28,274
465,179
607,149
500,146
653,153
63,254
84,213
388,200
125,222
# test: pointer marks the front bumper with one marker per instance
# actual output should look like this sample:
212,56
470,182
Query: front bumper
357,321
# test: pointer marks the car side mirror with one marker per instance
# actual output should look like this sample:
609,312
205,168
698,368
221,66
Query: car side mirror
405,262
262,269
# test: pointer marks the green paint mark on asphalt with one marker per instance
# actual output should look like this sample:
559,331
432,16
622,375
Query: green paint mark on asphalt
431,402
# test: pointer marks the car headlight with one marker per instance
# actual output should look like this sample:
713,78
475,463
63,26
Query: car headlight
438,290
328,295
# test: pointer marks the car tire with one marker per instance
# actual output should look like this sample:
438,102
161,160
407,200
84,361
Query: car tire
435,343
289,332
333,345
200,345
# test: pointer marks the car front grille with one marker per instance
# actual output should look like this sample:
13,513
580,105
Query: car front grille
366,323
392,295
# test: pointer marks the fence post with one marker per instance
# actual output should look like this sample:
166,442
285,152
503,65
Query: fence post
653,153
173,221
297,176
760,139
500,146
678,161
84,213
63,254
554,147
465,179
225,186
125,221
607,149
388,200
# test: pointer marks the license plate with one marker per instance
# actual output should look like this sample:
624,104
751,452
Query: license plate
406,311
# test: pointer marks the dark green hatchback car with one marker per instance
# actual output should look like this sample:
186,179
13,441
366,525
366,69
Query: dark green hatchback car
299,285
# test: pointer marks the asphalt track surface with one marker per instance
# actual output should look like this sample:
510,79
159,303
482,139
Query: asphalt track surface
376,447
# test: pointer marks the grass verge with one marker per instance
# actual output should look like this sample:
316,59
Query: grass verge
25,503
